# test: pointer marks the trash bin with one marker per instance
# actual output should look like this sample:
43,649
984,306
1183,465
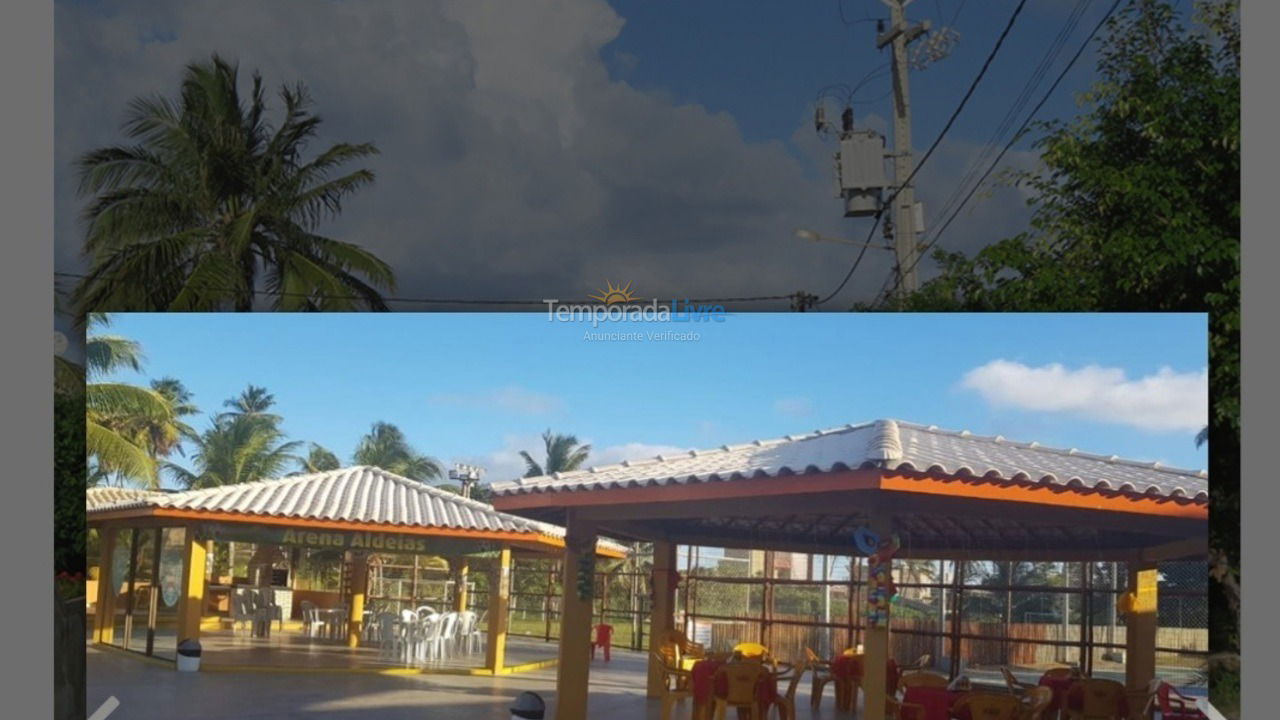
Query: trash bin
528,706
189,655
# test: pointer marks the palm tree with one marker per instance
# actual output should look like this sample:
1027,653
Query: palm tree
320,459
236,449
252,403
563,455
163,439
115,411
385,446
211,204
1202,437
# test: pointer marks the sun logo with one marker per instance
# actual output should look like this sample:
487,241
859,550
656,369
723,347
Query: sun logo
612,295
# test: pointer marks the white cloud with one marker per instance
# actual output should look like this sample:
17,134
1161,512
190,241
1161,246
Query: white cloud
1164,401
793,406
509,399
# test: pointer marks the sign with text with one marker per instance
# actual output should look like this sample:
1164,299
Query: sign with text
344,539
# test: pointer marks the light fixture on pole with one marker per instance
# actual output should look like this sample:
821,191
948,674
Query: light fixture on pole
814,236
467,476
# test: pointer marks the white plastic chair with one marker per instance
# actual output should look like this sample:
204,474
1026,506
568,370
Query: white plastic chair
391,644
311,624
468,631
430,628
424,610
448,640
265,600
241,611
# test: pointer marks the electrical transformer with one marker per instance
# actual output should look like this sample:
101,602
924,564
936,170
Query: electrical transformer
860,174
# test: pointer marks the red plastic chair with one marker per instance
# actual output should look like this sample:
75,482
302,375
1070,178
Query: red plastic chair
1176,706
604,639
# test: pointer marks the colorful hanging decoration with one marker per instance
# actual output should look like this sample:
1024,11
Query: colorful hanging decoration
881,590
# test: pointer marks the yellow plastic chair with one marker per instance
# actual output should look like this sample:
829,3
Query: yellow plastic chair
821,670
741,679
897,710
1038,700
1101,700
687,652
676,683
787,701
1016,686
922,679
751,651
990,706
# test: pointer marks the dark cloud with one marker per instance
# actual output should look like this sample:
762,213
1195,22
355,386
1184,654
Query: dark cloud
512,164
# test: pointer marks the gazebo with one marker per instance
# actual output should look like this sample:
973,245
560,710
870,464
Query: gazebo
944,494
360,511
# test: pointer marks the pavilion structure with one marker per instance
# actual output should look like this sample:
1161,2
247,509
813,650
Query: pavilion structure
944,495
159,542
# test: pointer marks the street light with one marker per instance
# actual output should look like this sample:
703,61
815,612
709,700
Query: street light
467,475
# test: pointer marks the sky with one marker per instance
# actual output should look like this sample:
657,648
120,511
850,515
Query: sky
478,388
535,149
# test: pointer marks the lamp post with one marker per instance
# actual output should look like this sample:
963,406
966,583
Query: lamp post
467,476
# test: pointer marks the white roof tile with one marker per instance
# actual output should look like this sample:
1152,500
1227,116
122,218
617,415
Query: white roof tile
887,444
354,494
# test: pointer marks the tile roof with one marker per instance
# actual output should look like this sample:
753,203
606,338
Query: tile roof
363,494
95,497
886,444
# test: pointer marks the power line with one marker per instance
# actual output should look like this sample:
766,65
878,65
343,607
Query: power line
968,94
1021,129
1028,89
461,301
963,101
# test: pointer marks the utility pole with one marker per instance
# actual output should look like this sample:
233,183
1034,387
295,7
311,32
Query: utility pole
902,214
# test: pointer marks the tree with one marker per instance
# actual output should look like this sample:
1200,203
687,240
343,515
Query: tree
1137,208
385,446
243,445
563,454
252,403
236,450
320,459
211,204
116,413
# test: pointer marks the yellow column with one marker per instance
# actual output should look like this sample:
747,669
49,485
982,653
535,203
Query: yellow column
359,587
495,653
662,609
191,603
460,569
876,644
1141,622
573,670
102,614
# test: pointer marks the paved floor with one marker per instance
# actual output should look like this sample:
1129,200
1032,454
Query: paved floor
290,648
150,692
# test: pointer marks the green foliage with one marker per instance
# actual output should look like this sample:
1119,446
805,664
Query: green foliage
69,482
1137,208
386,446
563,454
210,202
240,446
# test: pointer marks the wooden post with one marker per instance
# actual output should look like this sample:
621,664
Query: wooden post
104,613
876,645
359,588
546,601
460,569
574,668
499,596
957,616
191,602
1141,621
662,610
766,597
